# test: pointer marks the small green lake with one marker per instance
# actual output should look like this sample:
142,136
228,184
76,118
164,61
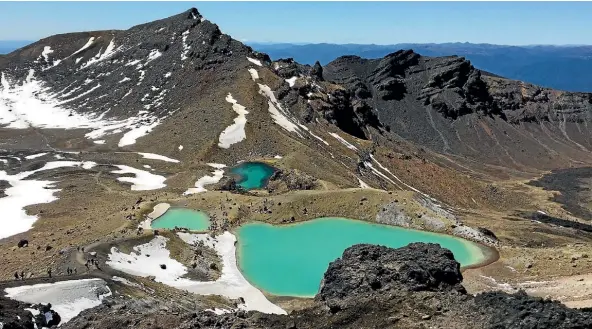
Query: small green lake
253,175
290,260
194,220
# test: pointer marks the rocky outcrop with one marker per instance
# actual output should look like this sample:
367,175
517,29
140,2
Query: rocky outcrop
17,315
292,179
386,271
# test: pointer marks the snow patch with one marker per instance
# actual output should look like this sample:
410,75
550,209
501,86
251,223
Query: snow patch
291,81
362,184
180,147
67,298
254,74
33,156
254,61
100,141
23,193
236,131
157,157
142,180
154,54
344,142
186,47
207,180
45,53
278,114
101,57
124,79
86,45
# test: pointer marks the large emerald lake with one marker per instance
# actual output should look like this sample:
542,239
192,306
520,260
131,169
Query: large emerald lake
290,260
180,217
253,175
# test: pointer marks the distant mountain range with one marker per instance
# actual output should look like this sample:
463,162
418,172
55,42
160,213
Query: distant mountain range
560,67
8,46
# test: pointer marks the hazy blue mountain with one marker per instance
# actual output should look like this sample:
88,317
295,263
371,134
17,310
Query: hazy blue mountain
8,46
559,67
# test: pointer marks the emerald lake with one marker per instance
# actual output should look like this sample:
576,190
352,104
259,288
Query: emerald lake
290,260
253,175
194,220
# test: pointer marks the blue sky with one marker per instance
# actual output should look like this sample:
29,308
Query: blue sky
513,23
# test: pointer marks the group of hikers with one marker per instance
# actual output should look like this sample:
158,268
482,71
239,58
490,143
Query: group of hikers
69,271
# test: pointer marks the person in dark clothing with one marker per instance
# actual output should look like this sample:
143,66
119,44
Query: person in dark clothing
75,270
49,272
22,275
16,276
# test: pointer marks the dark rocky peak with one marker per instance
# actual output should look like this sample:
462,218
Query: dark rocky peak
317,71
288,68
395,64
365,270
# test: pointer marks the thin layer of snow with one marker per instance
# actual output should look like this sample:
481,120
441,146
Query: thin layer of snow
124,80
254,74
3,160
86,45
100,141
291,81
231,283
362,184
33,156
254,61
168,74
344,142
278,114
67,298
236,131
142,180
207,180
157,157
23,193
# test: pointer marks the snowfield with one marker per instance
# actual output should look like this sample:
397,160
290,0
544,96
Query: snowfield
67,298
29,104
236,131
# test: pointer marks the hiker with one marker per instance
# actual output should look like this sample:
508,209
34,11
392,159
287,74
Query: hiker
22,275
82,249
49,272
75,271
16,276
78,248
68,271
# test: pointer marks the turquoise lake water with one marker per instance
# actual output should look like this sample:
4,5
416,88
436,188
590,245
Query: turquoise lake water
191,219
253,175
290,260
